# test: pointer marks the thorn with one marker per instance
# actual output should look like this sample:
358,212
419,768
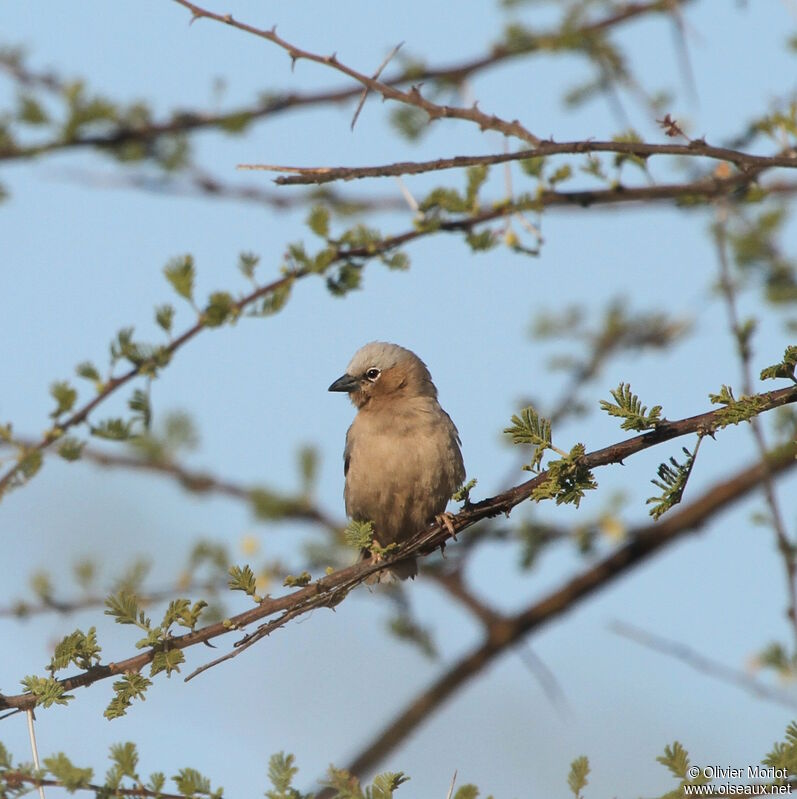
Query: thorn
228,19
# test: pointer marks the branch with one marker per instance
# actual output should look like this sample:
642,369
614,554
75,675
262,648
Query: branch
695,148
188,121
328,591
643,542
412,97
703,664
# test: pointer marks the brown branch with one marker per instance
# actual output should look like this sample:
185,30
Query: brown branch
329,590
703,664
643,542
413,97
189,121
696,148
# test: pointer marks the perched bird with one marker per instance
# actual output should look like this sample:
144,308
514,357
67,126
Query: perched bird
402,460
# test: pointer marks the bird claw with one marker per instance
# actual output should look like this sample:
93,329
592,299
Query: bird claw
447,520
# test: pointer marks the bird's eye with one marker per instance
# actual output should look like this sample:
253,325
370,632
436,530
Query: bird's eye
372,373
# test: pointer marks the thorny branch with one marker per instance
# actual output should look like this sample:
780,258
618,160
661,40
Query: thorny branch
192,120
330,590
412,97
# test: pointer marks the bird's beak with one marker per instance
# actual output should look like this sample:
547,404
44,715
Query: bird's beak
345,383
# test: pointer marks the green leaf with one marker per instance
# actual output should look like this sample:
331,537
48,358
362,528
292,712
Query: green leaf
131,686
124,758
72,777
630,409
242,579
462,494
164,316
247,263
167,660
783,369
113,429
79,649
47,690
676,759
318,221
531,428
180,273
672,481
88,371
358,534
139,404
123,606
281,772
577,778
70,449
221,308
64,396
190,782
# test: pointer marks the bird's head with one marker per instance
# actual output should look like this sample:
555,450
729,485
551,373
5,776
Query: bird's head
381,371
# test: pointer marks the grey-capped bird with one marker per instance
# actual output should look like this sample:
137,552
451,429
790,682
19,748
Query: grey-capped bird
402,460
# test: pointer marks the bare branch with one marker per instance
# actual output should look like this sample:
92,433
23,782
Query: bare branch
696,148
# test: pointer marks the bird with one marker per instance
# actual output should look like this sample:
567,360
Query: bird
402,460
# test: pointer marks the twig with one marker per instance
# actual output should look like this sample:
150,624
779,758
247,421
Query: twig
703,664
412,97
329,590
697,148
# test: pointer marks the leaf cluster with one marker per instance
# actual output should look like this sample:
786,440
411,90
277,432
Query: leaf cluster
628,407
673,477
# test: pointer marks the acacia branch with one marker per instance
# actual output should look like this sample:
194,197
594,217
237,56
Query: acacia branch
643,542
695,148
331,589
413,97
192,120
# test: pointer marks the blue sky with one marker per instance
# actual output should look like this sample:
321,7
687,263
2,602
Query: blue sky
79,262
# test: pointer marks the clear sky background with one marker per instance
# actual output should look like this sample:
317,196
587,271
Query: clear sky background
80,259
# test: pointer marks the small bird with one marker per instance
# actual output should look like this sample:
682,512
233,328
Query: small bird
402,460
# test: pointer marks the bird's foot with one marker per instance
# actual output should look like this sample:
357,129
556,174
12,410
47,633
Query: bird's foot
376,554
447,520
